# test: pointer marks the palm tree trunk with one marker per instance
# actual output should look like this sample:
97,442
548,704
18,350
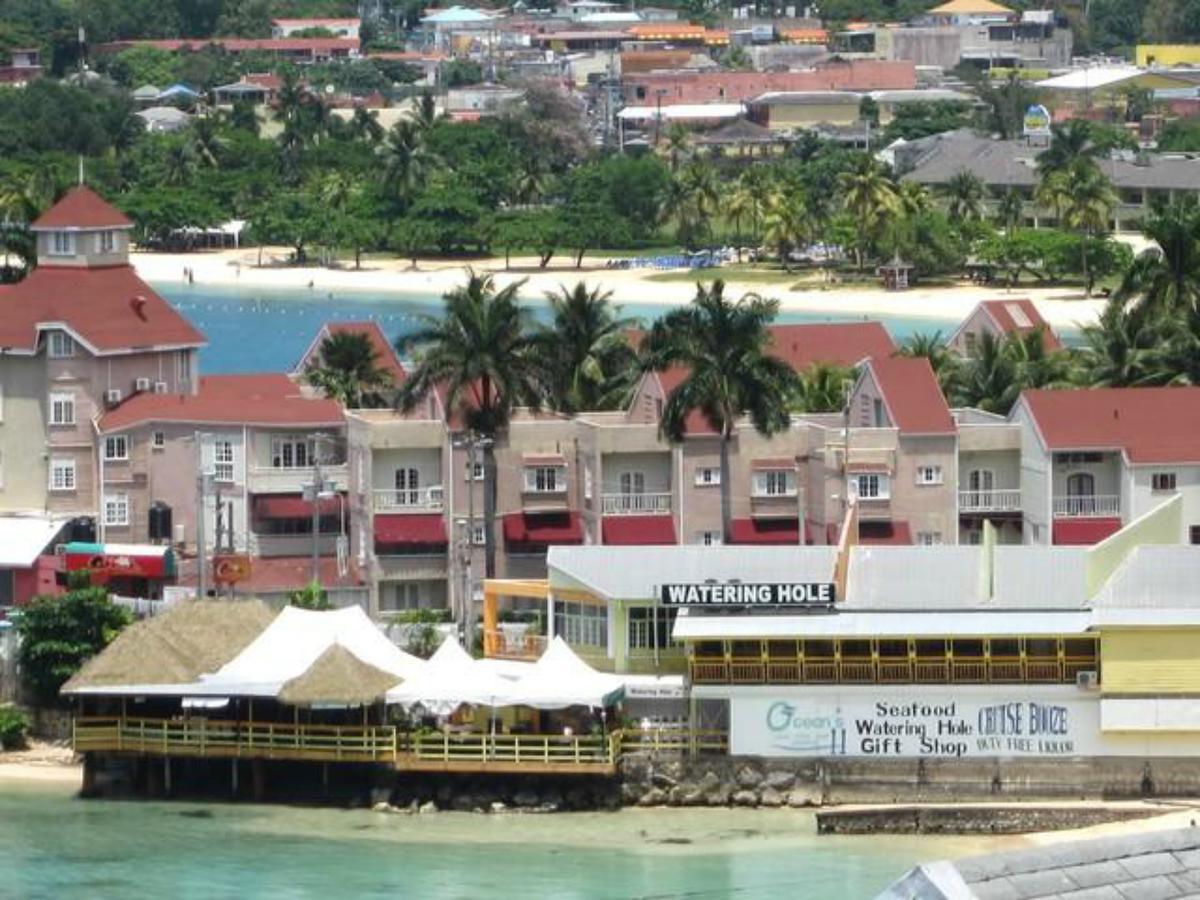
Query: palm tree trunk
489,509
1083,253
726,514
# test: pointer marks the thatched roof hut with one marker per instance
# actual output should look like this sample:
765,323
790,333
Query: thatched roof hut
339,677
188,640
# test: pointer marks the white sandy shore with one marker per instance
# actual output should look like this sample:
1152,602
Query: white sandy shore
1062,308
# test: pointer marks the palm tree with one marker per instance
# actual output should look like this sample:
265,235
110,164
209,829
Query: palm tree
482,357
1091,203
691,200
931,346
424,111
1035,365
758,185
964,194
364,125
1167,275
739,205
677,148
869,197
207,142
822,388
988,380
1070,142
913,197
179,160
787,225
348,372
405,160
723,346
1009,209
592,365
1125,347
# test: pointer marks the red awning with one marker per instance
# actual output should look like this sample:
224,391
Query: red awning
1077,532
637,530
884,533
765,531
543,528
292,506
423,529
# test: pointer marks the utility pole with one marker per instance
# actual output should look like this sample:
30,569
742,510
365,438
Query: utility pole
466,601
316,508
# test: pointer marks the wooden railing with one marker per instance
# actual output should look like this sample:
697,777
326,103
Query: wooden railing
1008,670
674,740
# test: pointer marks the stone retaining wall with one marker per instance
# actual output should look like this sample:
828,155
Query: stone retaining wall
968,819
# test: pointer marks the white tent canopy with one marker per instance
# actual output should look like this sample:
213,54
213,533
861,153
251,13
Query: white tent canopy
24,538
560,679
450,679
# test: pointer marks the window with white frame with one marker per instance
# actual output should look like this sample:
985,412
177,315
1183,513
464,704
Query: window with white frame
929,474
290,452
1162,482
62,243
62,474
707,476
869,486
582,623
709,538
774,483
223,460
158,440
399,596
62,409
408,486
633,482
545,479
106,241
929,538
116,447
478,533
116,509
473,472
650,627
60,345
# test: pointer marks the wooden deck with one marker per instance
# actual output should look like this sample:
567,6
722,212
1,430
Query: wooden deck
382,744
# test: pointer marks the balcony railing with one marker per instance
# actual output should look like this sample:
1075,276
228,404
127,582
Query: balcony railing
996,500
635,504
1087,506
394,500
916,670
281,480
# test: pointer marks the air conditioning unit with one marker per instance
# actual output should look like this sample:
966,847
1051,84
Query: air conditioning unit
112,396
160,387
141,384
1087,681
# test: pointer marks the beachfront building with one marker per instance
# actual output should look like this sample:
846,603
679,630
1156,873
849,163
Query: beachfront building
329,27
1001,319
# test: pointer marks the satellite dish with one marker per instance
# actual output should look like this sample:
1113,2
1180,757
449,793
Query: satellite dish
329,88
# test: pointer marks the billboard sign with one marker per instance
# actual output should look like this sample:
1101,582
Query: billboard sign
817,595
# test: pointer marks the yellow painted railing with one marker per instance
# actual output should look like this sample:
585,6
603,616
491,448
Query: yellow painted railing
673,740
769,670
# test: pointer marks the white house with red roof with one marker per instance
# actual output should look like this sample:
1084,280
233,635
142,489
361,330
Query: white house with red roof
1093,460
1001,318
344,27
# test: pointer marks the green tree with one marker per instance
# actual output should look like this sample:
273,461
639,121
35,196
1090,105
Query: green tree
406,162
964,194
1091,200
869,196
349,372
1166,276
917,120
59,634
788,226
482,357
311,596
723,345
1126,347
821,388
591,365
932,346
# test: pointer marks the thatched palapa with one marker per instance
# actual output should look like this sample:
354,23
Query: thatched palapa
338,677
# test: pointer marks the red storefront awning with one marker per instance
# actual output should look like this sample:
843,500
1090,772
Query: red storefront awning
765,531
543,528
293,506
1077,532
884,533
120,560
425,529
638,530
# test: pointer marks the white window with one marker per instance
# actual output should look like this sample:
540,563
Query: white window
408,487
116,509
869,487
929,538
223,460
403,595
60,345
775,483
289,452
159,440
62,474
106,241
477,474
1162,481
707,476
62,243
478,534
545,479
708,538
650,627
633,482
116,447
929,474
581,623
62,409
587,482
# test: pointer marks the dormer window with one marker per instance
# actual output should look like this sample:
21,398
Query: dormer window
62,243
106,242
61,345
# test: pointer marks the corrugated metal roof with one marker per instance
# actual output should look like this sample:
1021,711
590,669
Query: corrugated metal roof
1155,577
913,578
1032,577
691,625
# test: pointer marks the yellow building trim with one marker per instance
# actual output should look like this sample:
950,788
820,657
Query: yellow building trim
1167,55
1150,661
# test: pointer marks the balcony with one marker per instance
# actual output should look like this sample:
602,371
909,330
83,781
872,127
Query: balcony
635,504
267,545
401,500
1087,506
280,480
998,500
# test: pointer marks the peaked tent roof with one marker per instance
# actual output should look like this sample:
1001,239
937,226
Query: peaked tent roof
450,679
560,679
81,207
338,677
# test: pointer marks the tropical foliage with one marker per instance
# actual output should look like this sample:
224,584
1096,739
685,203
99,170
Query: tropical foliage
347,370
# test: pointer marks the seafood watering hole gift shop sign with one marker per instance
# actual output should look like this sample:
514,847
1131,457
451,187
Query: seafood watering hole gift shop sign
899,726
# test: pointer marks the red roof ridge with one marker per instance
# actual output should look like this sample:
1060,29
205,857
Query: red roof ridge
81,207
912,394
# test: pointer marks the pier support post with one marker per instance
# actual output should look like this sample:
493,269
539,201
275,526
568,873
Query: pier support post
258,776
233,777
88,787
166,776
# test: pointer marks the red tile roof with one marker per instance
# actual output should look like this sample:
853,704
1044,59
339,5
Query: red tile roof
385,353
764,531
637,530
1151,424
1019,317
911,393
81,207
107,308
1084,532
272,399
405,529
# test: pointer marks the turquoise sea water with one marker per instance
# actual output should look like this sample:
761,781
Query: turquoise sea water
252,329
53,845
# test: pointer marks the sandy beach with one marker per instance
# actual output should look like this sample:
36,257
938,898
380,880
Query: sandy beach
1062,308
41,762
